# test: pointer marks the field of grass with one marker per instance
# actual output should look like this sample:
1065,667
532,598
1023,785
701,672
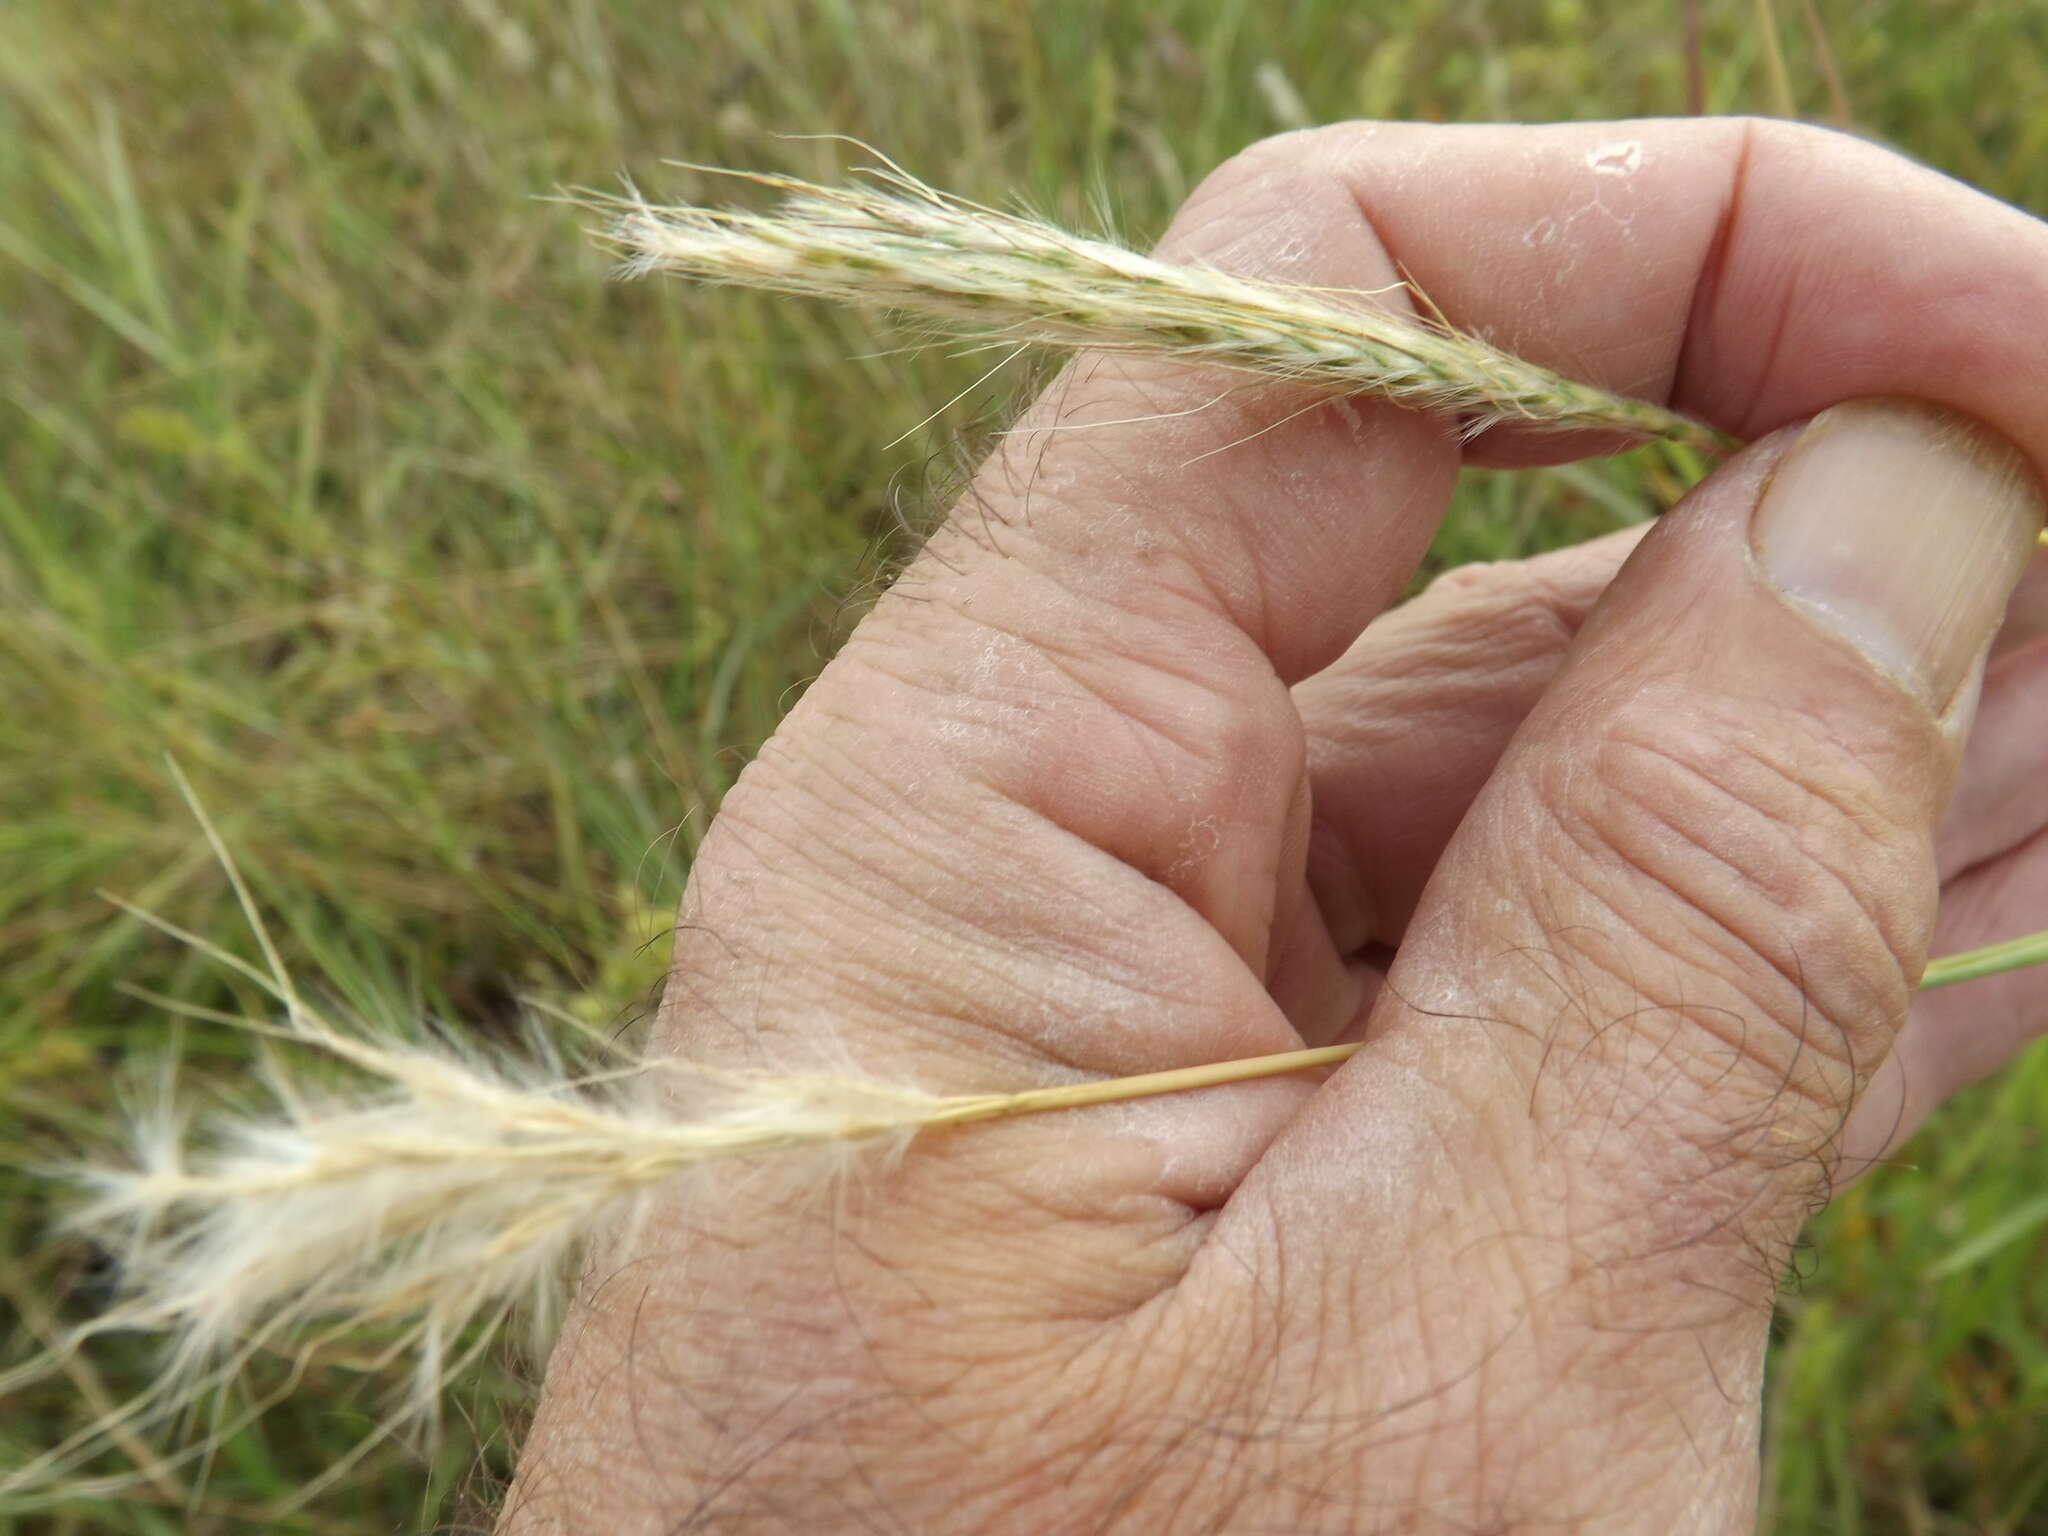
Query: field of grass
460,579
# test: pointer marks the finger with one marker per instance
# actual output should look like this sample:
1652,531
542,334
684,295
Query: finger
1681,925
1407,726
1402,730
1409,723
1960,1034
1747,272
2000,801
1994,859
1662,955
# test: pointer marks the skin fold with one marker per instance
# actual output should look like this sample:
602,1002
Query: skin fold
1621,861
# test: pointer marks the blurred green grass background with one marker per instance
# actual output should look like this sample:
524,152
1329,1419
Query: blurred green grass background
461,579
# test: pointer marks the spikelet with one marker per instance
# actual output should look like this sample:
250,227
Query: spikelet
897,244
430,1191
902,246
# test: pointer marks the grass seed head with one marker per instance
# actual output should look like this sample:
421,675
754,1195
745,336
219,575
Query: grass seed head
897,244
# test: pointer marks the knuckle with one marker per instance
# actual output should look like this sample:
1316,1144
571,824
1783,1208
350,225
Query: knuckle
1152,735
1792,138
1523,607
1064,669
1474,581
1229,213
1279,154
1789,884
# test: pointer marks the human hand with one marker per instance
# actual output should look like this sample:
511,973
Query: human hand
1117,779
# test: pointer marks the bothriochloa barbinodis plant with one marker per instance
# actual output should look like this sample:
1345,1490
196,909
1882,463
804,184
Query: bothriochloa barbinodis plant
417,1193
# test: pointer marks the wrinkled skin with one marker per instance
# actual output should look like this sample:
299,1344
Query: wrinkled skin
1137,767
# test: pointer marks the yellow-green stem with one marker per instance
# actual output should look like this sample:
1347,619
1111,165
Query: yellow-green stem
1969,965
1991,960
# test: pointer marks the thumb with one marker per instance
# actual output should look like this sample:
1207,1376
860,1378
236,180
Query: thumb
1681,925
1554,1191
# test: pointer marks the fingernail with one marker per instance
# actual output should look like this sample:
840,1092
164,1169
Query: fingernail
1904,528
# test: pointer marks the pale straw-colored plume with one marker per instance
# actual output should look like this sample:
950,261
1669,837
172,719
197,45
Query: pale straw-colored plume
412,1194
894,243
897,244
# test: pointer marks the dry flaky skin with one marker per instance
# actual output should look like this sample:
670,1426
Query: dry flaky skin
900,245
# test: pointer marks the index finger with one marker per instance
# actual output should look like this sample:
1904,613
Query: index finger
1748,272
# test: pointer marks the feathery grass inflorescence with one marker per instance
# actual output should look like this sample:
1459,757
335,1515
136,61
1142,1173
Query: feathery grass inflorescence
902,246
429,1192
897,244
416,1193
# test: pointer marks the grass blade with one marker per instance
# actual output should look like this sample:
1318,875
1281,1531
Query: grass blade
2002,1233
